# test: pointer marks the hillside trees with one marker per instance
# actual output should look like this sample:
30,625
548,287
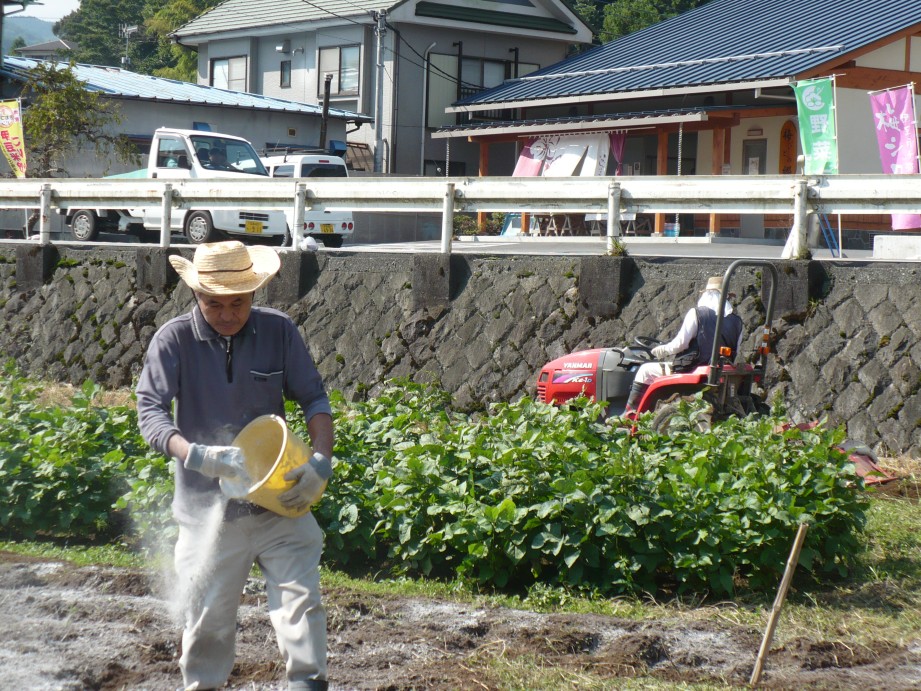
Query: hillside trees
95,28
175,61
622,17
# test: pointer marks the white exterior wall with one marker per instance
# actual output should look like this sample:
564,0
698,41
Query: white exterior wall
889,57
857,148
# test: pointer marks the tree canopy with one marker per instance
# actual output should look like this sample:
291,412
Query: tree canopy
615,18
96,28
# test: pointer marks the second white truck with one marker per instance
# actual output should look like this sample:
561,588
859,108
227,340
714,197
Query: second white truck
177,154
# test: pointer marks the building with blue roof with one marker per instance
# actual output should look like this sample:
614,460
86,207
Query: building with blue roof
712,88
146,103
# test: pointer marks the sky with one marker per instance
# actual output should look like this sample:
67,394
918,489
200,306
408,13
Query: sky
50,10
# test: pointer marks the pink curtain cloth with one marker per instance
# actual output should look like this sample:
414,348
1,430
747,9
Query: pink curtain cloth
897,137
618,139
531,159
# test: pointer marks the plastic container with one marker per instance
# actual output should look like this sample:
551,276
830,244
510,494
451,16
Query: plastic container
270,451
672,230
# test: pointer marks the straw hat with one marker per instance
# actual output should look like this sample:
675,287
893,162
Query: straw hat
227,268
714,283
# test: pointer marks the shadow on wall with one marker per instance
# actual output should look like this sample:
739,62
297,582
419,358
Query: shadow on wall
14,220
378,227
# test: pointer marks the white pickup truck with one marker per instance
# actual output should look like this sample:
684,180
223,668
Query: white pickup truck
181,155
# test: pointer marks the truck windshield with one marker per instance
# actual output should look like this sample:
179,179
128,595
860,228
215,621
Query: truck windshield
220,153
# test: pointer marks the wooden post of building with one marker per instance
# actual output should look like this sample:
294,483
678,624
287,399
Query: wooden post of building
716,168
484,171
661,169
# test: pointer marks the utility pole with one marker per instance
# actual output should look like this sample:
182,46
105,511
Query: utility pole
379,30
126,31
323,123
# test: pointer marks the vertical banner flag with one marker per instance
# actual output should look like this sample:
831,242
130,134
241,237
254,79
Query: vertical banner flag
11,136
897,137
815,106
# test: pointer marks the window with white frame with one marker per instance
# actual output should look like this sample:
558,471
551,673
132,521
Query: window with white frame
343,62
229,73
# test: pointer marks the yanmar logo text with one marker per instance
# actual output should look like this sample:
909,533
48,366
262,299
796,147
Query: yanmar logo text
577,365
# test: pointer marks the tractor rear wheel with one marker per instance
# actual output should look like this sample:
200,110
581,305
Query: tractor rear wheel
667,419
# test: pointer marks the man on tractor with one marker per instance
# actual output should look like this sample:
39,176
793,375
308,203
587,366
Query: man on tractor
693,344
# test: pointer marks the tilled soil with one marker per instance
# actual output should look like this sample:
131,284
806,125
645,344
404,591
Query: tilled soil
68,628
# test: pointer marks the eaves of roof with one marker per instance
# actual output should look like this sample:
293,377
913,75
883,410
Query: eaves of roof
459,13
118,83
721,42
634,120
232,15
591,123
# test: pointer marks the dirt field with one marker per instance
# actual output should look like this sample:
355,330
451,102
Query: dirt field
74,628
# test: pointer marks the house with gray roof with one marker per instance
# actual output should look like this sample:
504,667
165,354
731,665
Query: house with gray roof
712,88
146,103
402,62
48,50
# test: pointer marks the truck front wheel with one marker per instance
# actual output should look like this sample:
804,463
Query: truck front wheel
84,225
199,228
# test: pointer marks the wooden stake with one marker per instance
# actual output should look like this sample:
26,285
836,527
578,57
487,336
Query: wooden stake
778,603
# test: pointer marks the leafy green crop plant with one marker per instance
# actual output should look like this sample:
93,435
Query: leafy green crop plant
530,493
62,469
521,497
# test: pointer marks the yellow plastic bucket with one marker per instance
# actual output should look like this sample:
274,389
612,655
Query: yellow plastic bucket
270,450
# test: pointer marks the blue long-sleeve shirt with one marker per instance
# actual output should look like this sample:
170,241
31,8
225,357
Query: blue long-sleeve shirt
219,385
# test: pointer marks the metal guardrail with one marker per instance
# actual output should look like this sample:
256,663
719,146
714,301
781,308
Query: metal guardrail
796,195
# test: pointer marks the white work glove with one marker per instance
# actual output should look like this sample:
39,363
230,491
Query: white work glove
309,483
660,352
216,461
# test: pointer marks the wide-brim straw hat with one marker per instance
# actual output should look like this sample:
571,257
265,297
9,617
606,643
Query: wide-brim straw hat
227,268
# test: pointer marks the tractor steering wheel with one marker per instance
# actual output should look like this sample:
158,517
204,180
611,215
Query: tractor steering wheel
647,343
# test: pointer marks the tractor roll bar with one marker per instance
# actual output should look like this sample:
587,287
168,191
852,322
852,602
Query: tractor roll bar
716,366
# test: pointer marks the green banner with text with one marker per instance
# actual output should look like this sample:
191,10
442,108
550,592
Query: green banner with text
815,105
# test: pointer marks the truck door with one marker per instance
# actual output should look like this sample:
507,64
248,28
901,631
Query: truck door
172,160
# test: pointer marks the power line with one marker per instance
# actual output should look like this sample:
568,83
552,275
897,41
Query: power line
447,75
331,13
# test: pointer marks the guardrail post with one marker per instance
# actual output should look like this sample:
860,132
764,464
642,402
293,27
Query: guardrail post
796,243
613,229
166,215
447,218
300,201
44,215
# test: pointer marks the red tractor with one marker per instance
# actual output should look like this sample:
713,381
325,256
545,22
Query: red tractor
606,374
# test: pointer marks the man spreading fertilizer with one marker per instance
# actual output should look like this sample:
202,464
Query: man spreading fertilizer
224,364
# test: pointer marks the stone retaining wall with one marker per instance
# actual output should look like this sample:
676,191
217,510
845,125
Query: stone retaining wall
482,326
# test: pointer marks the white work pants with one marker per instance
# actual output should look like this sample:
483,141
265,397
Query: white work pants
650,370
211,579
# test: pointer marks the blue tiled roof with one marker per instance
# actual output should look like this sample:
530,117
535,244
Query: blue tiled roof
720,42
114,81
